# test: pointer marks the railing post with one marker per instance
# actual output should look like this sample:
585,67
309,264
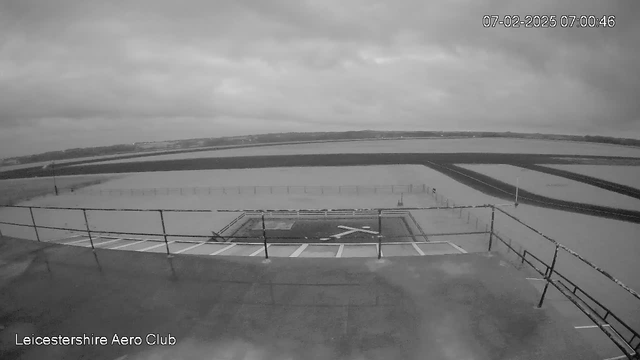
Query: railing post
548,277
264,236
164,232
379,234
33,219
86,222
493,215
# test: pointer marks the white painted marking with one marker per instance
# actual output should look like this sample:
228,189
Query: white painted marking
155,246
299,250
324,239
75,242
125,245
586,327
108,242
617,357
340,250
590,326
415,246
457,247
259,250
359,230
223,249
535,279
190,247
366,227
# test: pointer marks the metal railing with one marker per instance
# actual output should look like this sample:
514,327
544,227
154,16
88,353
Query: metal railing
574,293
259,190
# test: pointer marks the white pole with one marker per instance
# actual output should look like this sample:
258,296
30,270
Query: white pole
517,182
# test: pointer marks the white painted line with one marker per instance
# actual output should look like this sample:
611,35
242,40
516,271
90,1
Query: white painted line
259,250
586,327
125,245
299,250
155,246
535,279
223,249
190,247
617,357
108,242
418,249
590,326
340,250
457,247
75,242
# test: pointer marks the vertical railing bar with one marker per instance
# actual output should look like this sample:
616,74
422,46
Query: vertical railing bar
548,277
35,227
86,222
493,214
164,232
379,234
264,236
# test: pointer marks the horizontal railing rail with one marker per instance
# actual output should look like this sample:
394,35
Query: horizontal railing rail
593,308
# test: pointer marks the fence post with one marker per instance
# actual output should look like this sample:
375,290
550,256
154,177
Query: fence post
86,222
548,277
379,234
493,214
34,223
264,236
164,232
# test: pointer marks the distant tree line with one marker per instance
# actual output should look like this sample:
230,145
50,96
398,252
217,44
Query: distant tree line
297,136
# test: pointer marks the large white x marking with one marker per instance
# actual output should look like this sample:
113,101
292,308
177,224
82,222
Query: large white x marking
352,230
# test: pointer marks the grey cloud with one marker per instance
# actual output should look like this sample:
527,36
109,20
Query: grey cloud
412,64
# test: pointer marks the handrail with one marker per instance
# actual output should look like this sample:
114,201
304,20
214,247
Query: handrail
597,268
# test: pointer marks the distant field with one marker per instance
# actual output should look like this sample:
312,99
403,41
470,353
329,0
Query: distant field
15,190
479,145
555,187
625,175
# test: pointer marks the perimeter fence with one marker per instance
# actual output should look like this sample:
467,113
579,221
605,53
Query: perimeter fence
260,190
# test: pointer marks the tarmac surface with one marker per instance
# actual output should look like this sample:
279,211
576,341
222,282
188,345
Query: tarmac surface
465,306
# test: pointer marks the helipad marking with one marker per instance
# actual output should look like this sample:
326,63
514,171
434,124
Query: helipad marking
155,246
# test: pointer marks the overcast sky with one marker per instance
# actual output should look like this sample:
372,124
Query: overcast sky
76,73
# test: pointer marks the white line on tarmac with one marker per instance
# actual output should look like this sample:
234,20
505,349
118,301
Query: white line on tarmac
154,246
223,249
108,242
340,250
535,279
259,250
458,247
590,326
190,247
299,250
415,246
125,245
617,357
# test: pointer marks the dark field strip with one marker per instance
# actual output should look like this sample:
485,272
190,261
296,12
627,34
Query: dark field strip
603,184
499,189
247,162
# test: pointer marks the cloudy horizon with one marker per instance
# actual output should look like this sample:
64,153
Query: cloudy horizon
86,73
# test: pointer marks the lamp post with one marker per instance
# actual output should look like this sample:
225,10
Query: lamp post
517,183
